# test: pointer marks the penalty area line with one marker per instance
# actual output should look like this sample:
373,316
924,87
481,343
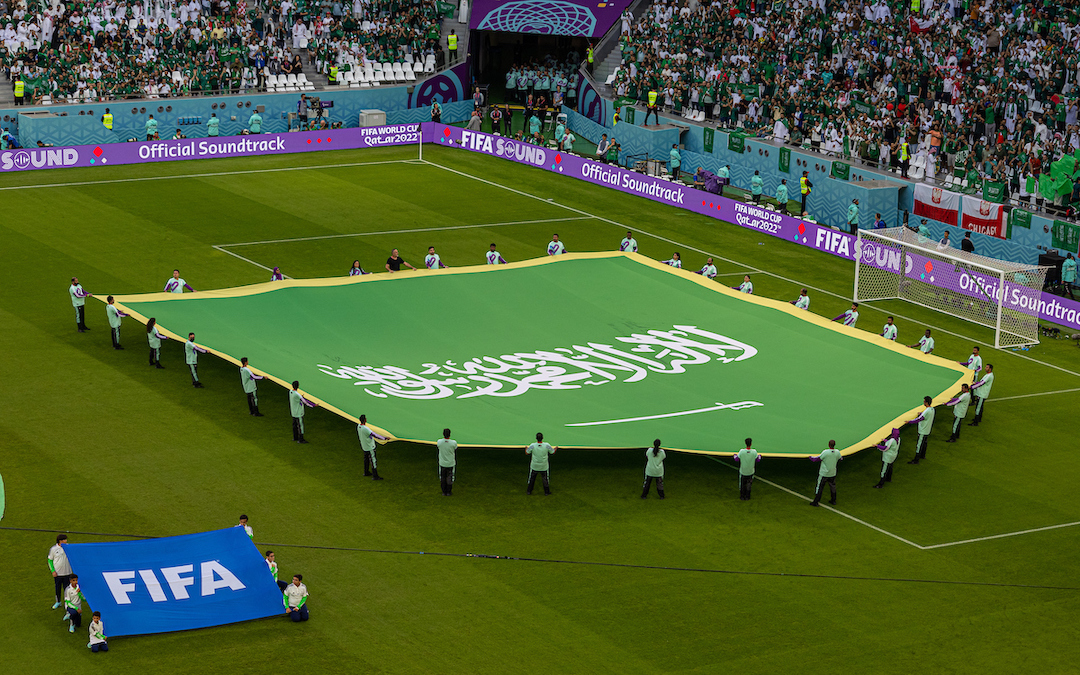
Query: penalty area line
742,264
1041,393
248,260
1000,536
826,506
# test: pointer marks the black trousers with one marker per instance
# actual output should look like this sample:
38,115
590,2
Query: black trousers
821,481
446,479
532,481
886,472
80,317
920,449
253,403
651,111
61,581
744,486
648,484
957,423
75,616
904,167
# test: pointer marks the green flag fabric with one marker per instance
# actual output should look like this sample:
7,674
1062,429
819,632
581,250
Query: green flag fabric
595,350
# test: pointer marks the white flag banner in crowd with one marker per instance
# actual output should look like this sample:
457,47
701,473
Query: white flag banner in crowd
983,217
937,204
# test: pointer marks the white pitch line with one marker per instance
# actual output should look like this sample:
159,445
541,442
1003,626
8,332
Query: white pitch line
1000,536
248,260
418,229
206,175
825,506
742,264
1041,393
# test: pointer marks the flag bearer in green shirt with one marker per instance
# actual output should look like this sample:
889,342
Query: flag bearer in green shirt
829,458
191,358
981,390
889,448
247,379
925,420
960,407
539,464
115,316
447,462
154,338
654,470
367,444
747,459
78,301
297,403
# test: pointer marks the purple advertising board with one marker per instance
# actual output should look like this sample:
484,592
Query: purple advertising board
110,154
772,223
578,18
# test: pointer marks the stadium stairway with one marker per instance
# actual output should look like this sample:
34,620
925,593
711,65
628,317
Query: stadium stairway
461,30
608,53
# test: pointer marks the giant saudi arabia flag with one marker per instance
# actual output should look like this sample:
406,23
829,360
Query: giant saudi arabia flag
601,350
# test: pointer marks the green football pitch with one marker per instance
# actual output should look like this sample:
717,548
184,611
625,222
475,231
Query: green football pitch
964,563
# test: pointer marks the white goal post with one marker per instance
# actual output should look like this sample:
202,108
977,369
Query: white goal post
897,263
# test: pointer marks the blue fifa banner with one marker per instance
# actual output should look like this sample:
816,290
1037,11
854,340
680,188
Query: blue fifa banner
176,583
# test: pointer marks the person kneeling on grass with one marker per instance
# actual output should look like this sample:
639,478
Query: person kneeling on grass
97,635
296,596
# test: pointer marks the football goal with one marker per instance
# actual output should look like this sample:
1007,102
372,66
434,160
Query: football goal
897,263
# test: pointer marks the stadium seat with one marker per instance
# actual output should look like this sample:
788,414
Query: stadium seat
410,76
418,67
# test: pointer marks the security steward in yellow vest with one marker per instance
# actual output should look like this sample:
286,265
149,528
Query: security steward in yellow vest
20,90
589,58
651,109
107,119
905,157
805,186
451,43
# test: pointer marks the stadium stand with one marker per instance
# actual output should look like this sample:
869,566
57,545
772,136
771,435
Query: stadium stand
978,90
115,50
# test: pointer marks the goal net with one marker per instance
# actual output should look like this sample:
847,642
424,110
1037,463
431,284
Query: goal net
897,263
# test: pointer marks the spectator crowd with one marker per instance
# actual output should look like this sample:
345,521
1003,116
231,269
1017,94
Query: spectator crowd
108,50
980,88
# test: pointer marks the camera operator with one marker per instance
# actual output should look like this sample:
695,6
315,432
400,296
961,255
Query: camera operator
302,112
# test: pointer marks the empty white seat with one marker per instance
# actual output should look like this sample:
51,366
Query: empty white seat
418,67
429,66
410,76
291,78
301,77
